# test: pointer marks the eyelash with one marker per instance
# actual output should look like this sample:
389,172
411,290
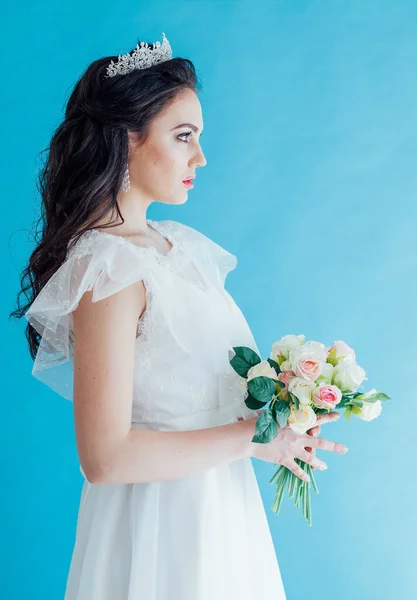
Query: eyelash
188,133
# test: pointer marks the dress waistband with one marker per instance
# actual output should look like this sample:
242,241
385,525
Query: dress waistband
221,415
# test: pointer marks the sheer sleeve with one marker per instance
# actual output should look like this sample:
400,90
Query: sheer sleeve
98,263
224,260
214,260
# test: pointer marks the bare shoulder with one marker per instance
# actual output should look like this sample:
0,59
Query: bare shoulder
104,348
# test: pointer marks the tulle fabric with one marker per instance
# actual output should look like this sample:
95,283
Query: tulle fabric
201,537
106,263
94,264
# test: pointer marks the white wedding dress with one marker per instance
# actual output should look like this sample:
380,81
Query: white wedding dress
201,537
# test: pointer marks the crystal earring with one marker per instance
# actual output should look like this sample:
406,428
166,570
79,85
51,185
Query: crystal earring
126,180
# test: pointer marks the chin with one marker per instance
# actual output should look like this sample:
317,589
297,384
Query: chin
175,200
181,199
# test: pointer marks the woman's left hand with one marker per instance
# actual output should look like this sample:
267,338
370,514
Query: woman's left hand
314,431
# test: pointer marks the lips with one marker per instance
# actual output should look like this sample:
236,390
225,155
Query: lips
189,179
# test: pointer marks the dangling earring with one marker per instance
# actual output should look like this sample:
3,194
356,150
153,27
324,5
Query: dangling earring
126,180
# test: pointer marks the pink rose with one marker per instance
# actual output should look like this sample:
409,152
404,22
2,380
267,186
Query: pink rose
326,396
285,377
309,368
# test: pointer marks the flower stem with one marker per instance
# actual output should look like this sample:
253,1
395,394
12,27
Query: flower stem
277,474
279,481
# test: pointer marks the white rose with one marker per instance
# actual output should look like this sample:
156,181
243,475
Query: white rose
302,388
285,344
264,369
318,349
343,350
348,375
326,374
303,419
370,410
312,349
285,366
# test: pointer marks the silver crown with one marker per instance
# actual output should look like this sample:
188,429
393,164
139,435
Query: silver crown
143,56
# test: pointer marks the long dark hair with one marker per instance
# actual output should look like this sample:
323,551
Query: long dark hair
84,168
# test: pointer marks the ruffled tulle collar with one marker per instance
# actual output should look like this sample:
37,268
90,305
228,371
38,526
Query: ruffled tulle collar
162,228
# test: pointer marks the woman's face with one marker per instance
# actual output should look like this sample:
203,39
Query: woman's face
171,153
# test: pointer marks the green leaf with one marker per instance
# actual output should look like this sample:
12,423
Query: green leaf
348,411
262,388
321,411
332,357
356,410
373,397
266,428
282,412
295,400
275,365
253,403
244,359
344,401
281,359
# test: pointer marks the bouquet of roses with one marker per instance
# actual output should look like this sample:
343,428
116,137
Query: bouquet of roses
299,381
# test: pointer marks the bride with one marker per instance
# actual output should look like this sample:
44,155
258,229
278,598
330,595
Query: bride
130,320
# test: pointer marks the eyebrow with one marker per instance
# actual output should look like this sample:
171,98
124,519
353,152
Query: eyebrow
193,127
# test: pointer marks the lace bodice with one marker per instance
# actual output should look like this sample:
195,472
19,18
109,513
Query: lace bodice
185,337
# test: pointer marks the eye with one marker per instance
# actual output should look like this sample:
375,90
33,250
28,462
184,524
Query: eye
187,134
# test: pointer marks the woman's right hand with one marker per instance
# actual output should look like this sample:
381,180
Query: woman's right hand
288,445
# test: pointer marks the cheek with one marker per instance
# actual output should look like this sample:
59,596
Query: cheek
161,166
167,150
166,160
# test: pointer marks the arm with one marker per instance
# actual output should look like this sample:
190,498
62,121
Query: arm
109,449
148,455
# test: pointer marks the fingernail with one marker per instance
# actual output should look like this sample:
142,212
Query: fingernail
344,449
323,467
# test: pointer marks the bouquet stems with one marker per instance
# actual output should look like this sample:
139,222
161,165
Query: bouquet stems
302,489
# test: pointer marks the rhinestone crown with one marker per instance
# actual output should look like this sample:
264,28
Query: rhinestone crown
143,56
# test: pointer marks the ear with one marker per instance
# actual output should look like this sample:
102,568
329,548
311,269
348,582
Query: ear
131,139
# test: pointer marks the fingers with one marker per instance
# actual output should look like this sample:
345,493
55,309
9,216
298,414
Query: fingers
324,444
316,463
297,470
323,418
327,418
314,431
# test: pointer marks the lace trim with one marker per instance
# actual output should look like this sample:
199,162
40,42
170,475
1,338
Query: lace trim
147,325
84,242
146,357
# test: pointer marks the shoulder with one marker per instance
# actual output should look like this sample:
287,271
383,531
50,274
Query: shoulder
96,267
96,262
211,255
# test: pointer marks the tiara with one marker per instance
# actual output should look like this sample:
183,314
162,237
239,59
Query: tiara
143,56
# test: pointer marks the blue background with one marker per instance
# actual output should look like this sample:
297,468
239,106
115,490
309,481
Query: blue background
309,111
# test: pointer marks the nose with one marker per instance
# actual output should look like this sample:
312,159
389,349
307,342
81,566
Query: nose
200,159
